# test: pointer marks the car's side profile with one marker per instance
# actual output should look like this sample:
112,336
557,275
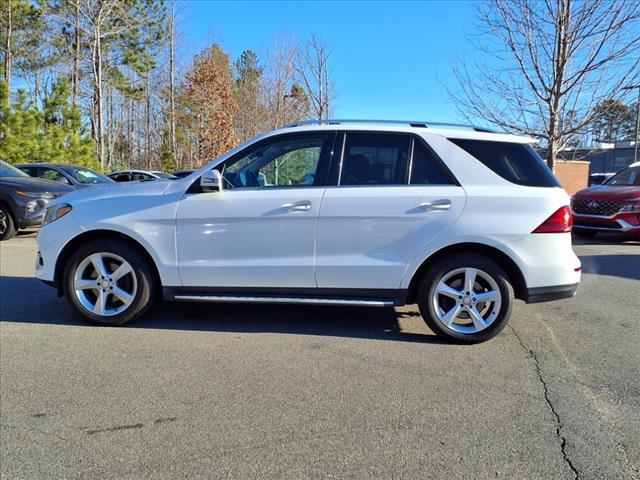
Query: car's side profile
460,221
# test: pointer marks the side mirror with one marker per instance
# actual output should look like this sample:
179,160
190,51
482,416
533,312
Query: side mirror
211,181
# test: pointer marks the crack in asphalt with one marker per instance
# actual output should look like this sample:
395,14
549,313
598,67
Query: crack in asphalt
563,439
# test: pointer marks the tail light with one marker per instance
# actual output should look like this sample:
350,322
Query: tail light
560,222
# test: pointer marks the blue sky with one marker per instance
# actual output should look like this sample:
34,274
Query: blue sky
390,59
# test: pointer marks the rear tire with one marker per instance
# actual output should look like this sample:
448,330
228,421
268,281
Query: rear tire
7,226
465,297
109,282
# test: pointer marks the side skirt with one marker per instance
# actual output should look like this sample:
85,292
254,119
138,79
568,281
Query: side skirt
298,296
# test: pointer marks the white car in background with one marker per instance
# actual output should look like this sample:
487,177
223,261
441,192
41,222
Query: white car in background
458,220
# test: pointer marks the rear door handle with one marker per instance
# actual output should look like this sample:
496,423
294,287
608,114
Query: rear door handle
436,205
301,206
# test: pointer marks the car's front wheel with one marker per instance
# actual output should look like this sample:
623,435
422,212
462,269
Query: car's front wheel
466,298
109,282
7,227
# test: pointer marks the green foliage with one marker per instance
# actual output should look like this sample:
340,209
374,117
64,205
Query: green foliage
615,122
168,161
53,134
26,27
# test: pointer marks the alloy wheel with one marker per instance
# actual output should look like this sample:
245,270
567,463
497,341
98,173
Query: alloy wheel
105,284
466,300
4,223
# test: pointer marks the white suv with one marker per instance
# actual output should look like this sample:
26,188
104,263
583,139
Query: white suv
457,220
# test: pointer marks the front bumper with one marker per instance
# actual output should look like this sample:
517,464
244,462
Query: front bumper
619,223
549,294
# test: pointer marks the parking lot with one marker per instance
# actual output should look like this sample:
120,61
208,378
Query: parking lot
232,391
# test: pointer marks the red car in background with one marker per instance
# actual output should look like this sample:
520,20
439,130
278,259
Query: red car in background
612,207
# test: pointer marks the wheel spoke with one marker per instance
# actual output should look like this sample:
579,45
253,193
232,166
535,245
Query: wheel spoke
444,289
121,271
85,284
98,264
124,297
101,303
469,279
490,296
448,317
477,319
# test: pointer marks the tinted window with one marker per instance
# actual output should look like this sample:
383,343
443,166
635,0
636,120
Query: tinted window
426,168
630,176
28,170
375,159
51,174
291,161
518,163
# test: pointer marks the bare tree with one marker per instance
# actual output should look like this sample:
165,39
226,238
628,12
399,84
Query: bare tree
315,75
546,65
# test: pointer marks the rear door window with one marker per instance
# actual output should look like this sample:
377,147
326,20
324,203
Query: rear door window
375,159
516,162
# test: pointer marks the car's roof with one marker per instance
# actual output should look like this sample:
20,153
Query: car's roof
445,130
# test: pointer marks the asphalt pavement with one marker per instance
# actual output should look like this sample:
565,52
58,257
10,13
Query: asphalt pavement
292,392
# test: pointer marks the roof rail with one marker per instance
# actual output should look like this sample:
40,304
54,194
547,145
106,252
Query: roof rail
418,123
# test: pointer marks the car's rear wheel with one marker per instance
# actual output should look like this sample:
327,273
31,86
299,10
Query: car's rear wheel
7,227
109,282
466,298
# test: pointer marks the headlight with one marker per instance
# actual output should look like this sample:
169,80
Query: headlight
631,206
55,212
40,195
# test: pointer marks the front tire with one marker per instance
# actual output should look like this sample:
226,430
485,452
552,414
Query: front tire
109,282
466,298
7,226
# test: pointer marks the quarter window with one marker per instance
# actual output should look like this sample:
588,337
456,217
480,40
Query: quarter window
375,159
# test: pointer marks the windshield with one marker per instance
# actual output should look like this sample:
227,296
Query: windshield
7,170
84,175
164,175
627,177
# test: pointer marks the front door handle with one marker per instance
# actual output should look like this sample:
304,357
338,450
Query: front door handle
302,206
436,205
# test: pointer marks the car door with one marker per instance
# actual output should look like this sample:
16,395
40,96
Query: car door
392,194
259,230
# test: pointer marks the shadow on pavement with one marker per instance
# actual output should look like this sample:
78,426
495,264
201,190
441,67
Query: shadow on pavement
27,300
625,266
607,239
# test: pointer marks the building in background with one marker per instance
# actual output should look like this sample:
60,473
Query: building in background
603,158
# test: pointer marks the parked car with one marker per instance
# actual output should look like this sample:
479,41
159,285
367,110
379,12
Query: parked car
599,178
23,199
612,207
78,177
458,220
140,176
182,173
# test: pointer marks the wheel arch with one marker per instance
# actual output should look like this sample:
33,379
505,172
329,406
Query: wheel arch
516,278
91,235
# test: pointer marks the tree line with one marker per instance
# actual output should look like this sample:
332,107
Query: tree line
101,83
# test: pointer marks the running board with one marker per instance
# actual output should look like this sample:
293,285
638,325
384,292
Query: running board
359,302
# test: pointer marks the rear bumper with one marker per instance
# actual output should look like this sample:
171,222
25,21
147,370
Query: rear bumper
548,294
